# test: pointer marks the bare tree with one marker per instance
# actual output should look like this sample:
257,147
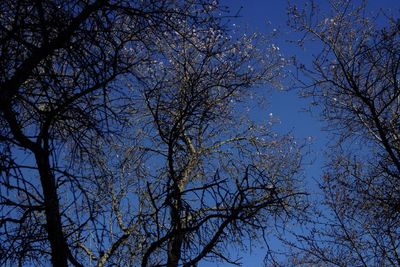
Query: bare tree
195,177
121,142
59,62
355,81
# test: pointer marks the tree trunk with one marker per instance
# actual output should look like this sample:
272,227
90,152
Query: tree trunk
59,254
175,244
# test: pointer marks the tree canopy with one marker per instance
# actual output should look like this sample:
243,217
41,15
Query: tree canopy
120,139
127,139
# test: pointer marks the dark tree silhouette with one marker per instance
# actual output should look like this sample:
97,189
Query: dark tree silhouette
209,177
356,84
120,140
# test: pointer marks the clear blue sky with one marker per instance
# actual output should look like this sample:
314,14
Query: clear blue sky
265,16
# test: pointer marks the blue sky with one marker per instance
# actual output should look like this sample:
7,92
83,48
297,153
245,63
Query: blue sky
265,16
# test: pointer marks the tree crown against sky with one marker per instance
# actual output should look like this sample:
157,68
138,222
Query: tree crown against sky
120,140
354,79
125,137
